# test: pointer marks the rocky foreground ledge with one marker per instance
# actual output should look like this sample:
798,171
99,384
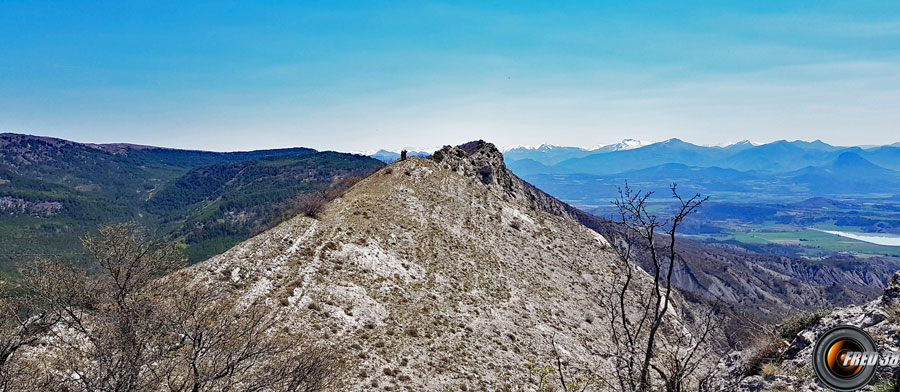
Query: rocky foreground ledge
786,365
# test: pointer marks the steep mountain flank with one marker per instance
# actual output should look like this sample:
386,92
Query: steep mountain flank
767,286
444,274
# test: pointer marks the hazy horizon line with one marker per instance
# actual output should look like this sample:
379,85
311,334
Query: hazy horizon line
504,148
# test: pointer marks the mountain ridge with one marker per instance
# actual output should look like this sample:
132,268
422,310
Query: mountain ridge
777,156
448,272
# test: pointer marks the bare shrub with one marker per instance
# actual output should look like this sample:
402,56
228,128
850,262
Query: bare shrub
765,349
30,311
129,260
310,204
107,347
637,309
313,203
228,346
124,329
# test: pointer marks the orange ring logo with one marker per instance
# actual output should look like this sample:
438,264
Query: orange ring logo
837,357
844,358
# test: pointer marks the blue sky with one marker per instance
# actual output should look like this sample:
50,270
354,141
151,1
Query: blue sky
358,76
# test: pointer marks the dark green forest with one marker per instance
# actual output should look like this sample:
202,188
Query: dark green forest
53,192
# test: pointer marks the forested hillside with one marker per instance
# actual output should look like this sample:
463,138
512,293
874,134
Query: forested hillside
53,191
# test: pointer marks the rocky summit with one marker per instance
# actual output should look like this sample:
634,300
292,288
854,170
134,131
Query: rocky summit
446,273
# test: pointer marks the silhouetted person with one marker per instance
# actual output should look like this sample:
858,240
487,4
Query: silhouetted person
403,155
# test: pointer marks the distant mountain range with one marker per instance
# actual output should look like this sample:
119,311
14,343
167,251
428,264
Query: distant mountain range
53,191
780,156
792,169
391,156
547,154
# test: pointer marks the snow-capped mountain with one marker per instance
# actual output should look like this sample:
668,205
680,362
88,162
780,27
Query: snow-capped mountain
539,147
627,144
550,154
741,143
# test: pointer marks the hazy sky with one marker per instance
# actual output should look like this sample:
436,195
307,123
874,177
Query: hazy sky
223,75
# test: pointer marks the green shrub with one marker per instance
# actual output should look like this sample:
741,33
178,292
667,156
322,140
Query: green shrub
789,328
885,386
893,313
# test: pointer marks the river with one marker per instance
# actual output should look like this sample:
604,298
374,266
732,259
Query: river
880,239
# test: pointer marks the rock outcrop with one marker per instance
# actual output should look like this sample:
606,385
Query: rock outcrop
792,369
484,161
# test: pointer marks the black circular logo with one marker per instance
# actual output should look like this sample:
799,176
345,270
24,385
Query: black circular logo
844,358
